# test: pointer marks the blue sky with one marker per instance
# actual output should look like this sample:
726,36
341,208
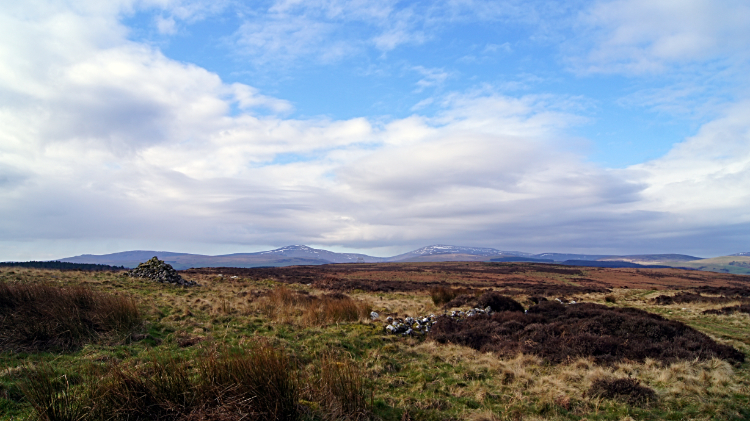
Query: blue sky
228,126
443,49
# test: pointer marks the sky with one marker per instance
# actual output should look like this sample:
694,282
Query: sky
223,126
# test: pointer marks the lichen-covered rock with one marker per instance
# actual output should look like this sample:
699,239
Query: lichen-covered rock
158,270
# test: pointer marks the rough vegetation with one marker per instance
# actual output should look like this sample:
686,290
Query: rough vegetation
259,382
35,317
743,308
317,338
689,297
559,333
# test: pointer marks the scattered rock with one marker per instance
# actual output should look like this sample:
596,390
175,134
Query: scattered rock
157,270
422,325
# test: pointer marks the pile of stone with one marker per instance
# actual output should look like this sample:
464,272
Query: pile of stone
158,271
421,325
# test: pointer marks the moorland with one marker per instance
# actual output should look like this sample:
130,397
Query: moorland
302,342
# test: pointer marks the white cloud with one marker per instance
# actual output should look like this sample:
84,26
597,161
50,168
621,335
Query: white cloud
706,177
331,30
430,77
102,138
166,26
643,36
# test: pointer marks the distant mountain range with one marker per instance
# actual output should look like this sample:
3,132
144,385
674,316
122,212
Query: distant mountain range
304,255
285,256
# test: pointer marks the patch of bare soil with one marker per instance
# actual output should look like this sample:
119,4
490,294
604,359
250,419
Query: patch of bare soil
560,333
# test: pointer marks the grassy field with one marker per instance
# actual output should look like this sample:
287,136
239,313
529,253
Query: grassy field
727,264
259,347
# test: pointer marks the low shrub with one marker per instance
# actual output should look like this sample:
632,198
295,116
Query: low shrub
688,297
610,298
743,308
627,390
559,333
442,295
498,302
36,317
732,292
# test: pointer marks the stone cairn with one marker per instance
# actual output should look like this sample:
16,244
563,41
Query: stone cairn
421,325
158,271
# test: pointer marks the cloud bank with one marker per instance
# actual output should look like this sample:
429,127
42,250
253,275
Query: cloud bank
105,141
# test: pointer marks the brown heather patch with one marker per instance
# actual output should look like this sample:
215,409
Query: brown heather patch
626,389
527,278
742,308
560,333
688,297
442,294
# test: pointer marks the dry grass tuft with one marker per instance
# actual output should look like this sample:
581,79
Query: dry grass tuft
299,307
340,389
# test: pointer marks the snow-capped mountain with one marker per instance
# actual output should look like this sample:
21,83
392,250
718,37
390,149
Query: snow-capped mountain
305,252
305,255
561,257
444,252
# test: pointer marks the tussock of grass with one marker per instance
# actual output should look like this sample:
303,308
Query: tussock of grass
340,389
35,317
52,396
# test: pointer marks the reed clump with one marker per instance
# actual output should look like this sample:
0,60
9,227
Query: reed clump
40,317
261,382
